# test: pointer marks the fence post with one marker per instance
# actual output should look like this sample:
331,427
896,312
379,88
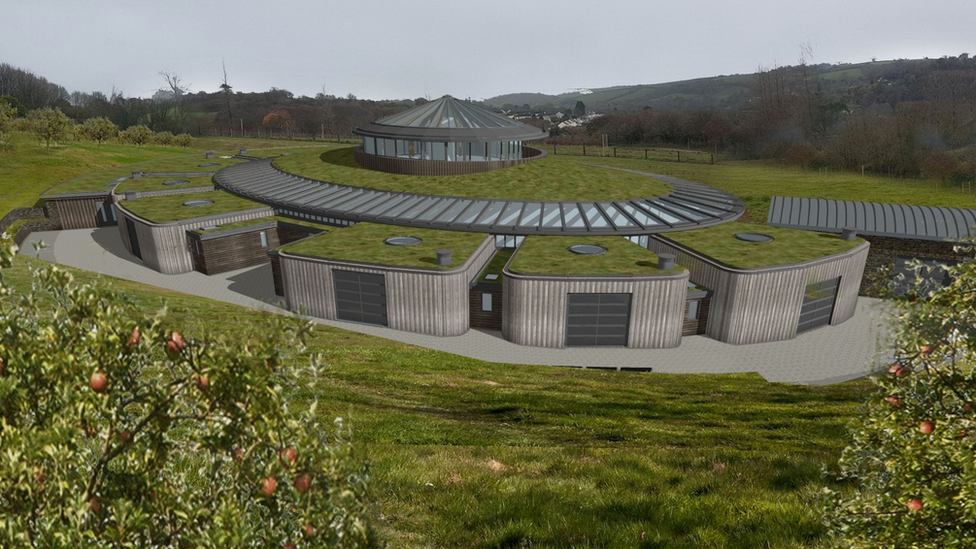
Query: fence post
584,150
615,152
554,149
713,158
679,156
645,154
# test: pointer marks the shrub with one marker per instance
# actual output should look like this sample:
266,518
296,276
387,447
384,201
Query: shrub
99,129
136,135
183,140
911,462
163,138
117,431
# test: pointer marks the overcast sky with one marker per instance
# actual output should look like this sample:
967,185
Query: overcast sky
395,49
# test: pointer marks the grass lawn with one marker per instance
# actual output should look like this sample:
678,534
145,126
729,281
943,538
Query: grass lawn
157,184
549,255
756,182
465,453
162,209
496,265
554,178
363,242
788,246
269,219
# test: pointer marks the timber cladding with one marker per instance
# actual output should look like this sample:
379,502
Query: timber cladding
536,307
215,253
165,247
79,212
425,301
491,320
763,304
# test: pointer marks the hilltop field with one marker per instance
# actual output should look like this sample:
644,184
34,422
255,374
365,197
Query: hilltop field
465,453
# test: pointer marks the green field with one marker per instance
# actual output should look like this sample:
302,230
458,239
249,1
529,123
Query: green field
163,209
549,255
788,245
363,242
465,453
544,179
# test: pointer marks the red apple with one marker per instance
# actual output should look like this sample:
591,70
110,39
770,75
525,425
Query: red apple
175,343
268,486
893,400
303,482
309,530
95,505
238,453
98,382
896,369
926,427
135,338
926,349
914,504
125,436
288,456
967,408
289,545
203,382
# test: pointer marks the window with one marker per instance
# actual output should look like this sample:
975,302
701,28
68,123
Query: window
369,145
264,239
196,246
486,302
693,310
477,151
438,151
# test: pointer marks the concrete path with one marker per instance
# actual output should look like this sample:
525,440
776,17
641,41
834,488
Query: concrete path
831,354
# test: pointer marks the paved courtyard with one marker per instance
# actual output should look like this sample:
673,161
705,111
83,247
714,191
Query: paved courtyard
830,354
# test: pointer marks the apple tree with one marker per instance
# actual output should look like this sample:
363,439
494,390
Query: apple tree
911,468
117,430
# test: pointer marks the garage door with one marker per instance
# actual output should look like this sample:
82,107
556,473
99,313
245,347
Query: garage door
818,304
597,319
360,297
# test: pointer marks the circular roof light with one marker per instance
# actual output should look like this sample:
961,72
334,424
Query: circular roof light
198,203
402,240
754,237
207,165
176,182
587,249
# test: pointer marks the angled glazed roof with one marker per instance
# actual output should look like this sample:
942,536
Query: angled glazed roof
448,119
873,218
691,205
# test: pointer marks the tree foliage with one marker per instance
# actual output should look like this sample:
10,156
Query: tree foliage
99,129
50,125
118,431
136,135
912,462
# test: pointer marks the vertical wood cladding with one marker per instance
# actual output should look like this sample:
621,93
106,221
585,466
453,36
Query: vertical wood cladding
425,301
79,213
490,320
232,252
697,326
279,283
763,304
165,246
535,307
408,166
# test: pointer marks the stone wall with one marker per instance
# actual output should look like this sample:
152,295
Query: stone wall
884,250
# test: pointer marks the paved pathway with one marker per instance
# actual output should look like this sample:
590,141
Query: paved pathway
826,355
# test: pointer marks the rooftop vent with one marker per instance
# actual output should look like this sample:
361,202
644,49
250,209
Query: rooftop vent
402,240
587,249
754,237
176,182
665,262
848,233
198,203
444,257
208,155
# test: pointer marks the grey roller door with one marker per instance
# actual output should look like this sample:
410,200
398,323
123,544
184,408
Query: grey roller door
818,305
360,297
597,319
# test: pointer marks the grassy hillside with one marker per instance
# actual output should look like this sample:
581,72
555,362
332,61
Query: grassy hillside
466,453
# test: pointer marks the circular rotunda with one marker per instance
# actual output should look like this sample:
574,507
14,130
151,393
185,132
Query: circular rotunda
446,137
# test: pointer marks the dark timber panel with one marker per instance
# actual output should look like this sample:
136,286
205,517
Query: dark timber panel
597,319
130,228
360,297
818,304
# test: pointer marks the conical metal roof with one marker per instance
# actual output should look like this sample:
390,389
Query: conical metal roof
448,119
448,112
